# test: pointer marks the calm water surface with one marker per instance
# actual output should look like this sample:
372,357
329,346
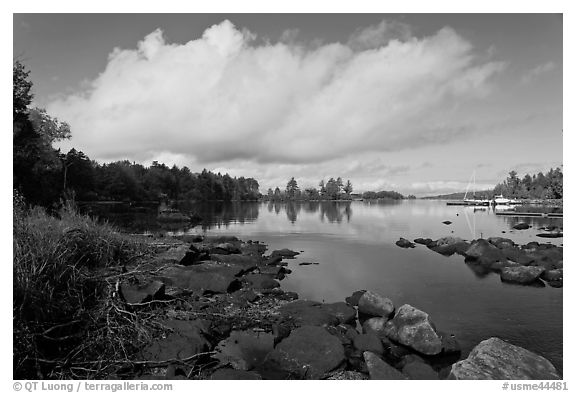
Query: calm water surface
354,245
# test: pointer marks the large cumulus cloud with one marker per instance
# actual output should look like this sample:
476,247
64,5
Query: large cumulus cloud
225,97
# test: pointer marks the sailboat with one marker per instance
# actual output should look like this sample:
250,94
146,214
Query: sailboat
474,201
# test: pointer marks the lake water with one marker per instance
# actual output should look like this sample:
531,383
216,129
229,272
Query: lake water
353,242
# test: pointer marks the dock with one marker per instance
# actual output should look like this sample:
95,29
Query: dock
530,214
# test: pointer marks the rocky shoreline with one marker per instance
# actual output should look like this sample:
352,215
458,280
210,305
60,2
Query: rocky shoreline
221,314
530,264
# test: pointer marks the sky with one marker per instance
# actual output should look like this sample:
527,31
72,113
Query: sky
415,103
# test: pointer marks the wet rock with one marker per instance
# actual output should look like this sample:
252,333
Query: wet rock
245,263
261,281
375,326
368,342
450,245
138,294
413,328
501,242
244,350
308,263
518,255
484,253
548,257
501,265
551,235
371,303
405,243
231,374
272,260
310,352
186,340
446,222
521,226
379,369
497,359
206,277
419,371
353,299
307,312
284,253
342,311
553,275
225,248
521,274
425,242
277,272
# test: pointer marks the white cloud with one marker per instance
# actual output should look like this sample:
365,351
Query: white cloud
537,71
221,98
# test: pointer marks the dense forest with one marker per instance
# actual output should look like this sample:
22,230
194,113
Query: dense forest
539,186
43,174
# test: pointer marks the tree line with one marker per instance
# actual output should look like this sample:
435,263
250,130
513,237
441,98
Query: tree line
43,174
333,189
539,186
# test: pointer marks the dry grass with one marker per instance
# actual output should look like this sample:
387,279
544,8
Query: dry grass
65,310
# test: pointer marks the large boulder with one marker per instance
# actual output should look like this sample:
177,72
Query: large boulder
260,281
245,263
497,359
342,311
284,253
501,242
379,369
310,352
413,328
484,252
375,326
450,245
206,277
521,274
371,303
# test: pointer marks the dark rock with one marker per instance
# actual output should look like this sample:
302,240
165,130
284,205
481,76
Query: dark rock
280,332
274,271
261,281
423,241
497,359
413,328
353,299
521,274
501,242
306,312
244,350
206,277
310,352
379,369
225,248
405,243
245,263
284,253
245,296
138,294
501,265
446,222
518,255
450,245
521,226
221,239
308,263
231,374
551,235
553,275
371,303
369,342
484,253
419,371
272,260
186,340
342,311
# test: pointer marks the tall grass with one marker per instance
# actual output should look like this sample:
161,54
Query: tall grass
56,283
